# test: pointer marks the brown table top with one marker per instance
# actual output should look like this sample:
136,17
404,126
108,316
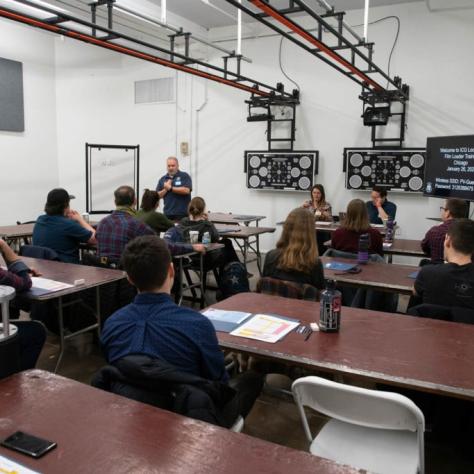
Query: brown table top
332,226
69,272
381,276
15,231
97,431
243,232
419,353
408,247
229,218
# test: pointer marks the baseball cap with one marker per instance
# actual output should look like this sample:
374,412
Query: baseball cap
58,196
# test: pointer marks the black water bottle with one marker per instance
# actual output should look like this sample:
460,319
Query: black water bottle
330,308
363,253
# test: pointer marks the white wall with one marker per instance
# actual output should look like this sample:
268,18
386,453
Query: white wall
94,97
29,159
431,56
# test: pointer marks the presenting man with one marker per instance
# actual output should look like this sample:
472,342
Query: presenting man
175,189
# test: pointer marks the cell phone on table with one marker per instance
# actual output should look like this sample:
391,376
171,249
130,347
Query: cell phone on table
28,444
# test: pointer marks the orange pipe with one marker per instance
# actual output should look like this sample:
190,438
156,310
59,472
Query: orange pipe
128,51
311,39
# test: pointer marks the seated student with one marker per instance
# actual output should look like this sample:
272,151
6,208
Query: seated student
296,255
356,223
116,230
17,275
61,228
433,243
148,214
451,284
198,222
318,205
379,208
156,327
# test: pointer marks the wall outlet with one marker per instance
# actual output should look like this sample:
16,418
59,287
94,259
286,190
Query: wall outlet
184,148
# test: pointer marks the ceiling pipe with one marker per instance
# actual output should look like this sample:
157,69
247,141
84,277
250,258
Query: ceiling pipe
175,30
366,20
63,31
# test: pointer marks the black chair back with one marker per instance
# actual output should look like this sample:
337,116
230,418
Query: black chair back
35,251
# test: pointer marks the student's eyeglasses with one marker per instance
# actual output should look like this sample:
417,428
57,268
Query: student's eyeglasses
442,208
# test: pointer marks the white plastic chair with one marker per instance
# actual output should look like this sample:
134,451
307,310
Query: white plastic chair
238,425
382,432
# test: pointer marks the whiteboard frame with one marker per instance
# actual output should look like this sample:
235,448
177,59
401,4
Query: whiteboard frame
136,168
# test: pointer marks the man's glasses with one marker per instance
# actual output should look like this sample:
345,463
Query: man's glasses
442,208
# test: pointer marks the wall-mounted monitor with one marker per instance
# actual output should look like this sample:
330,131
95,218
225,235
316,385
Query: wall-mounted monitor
449,170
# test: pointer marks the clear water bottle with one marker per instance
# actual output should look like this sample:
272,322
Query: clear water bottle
330,312
206,238
389,230
363,253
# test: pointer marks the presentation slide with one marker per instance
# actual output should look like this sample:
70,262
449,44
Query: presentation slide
449,169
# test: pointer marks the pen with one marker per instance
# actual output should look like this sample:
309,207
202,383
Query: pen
308,335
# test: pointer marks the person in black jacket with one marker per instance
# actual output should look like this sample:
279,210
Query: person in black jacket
154,326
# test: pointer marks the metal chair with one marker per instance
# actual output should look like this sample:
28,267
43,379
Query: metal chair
287,289
378,431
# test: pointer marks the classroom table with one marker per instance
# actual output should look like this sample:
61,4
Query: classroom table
230,218
93,277
417,353
392,278
404,247
250,237
97,431
13,234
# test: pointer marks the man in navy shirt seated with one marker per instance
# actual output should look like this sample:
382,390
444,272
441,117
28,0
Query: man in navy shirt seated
155,326
175,189
379,208
61,228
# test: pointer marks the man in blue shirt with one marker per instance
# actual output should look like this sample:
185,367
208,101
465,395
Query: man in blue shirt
155,326
61,228
379,209
175,189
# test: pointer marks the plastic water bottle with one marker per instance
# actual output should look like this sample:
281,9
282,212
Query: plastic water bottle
206,238
330,312
389,230
363,253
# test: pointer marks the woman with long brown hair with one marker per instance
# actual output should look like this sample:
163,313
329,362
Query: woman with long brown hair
356,223
296,255
148,212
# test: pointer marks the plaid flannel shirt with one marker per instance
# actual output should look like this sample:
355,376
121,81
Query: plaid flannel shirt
433,243
16,276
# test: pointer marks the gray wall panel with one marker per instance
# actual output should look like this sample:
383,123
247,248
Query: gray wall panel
11,96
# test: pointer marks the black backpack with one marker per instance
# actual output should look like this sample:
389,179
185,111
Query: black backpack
233,279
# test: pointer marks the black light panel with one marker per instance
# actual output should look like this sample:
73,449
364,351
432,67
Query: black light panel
395,170
281,171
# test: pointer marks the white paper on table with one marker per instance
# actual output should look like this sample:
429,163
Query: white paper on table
227,316
47,285
264,327
11,467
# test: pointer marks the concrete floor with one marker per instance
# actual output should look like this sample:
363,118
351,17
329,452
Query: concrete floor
274,416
